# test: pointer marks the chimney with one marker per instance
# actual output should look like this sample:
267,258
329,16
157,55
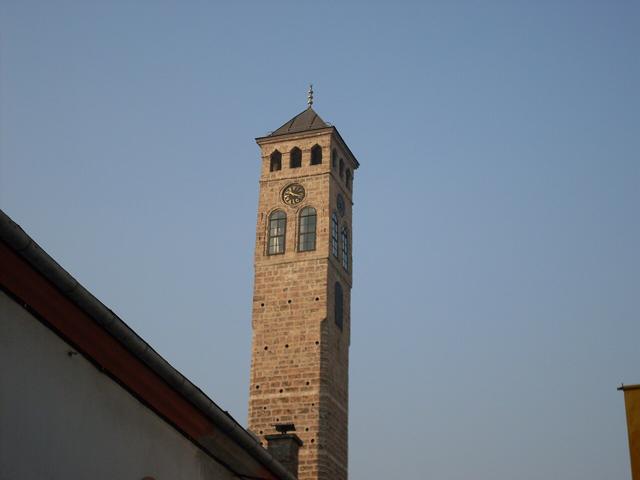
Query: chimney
284,447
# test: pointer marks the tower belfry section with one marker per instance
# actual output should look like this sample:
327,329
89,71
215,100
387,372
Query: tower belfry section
302,291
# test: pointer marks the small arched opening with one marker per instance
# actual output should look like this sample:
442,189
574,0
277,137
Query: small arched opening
276,161
316,155
295,158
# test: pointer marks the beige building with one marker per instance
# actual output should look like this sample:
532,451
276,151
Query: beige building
301,303
632,406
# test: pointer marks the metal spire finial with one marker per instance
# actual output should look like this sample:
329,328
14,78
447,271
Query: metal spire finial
310,96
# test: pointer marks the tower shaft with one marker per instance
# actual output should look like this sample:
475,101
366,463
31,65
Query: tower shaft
301,303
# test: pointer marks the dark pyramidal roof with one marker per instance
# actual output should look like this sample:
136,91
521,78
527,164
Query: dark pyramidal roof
304,121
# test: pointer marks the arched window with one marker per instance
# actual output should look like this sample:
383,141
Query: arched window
307,230
334,158
295,158
339,305
316,155
345,248
334,234
341,168
348,179
277,230
276,161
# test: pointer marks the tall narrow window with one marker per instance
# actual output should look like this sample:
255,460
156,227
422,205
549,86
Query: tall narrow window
339,305
295,158
334,234
348,179
345,248
276,161
307,230
334,158
277,230
341,170
316,155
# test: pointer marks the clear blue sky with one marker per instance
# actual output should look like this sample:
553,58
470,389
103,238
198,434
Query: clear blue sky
496,232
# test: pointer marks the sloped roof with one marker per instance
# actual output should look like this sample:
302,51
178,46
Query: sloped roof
304,121
31,275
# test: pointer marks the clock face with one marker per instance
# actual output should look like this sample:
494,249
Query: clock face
293,194
341,205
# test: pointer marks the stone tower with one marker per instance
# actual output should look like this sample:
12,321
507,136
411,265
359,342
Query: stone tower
302,292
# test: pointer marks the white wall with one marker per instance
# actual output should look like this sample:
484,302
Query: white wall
61,418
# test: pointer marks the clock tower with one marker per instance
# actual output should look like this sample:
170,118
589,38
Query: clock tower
302,291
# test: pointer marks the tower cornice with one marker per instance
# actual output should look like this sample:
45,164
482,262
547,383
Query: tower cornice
271,139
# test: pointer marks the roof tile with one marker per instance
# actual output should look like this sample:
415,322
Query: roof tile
304,121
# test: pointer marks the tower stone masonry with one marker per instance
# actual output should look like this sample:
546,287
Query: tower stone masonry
302,290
